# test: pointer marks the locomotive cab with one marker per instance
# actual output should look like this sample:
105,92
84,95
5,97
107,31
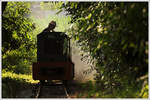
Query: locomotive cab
53,57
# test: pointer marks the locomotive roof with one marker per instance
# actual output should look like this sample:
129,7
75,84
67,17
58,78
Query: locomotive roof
55,34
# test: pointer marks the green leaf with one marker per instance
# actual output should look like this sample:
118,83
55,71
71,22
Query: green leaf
89,16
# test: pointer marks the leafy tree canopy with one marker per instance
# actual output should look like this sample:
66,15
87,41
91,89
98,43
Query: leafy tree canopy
115,34
18,45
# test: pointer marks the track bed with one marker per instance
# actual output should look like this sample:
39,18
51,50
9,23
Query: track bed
50,90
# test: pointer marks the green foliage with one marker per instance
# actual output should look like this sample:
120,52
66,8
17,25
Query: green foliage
18,44
145,88
16,27
52,5
19,77
115,35
144,92
127,91
89,90
18,48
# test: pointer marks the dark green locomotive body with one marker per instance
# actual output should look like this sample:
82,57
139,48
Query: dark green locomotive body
53,46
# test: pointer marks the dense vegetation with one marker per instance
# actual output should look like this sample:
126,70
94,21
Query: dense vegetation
18,47
18,44
115,36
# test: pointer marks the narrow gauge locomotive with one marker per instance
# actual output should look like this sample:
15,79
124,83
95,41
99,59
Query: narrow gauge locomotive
53,57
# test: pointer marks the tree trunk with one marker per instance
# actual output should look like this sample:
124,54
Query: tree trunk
4,4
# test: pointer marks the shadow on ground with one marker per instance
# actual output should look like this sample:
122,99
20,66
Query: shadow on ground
20,89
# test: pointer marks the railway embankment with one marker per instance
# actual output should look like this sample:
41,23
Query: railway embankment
22,86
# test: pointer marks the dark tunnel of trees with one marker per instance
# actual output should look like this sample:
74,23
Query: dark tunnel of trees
113,34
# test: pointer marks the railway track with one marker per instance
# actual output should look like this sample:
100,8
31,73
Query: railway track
50,90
